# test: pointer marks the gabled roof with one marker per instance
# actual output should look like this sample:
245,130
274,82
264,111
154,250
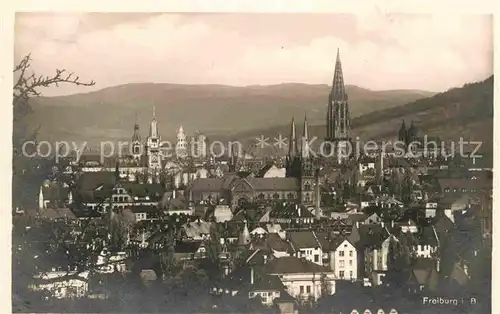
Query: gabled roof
303,239
152,190
55,191
187,246
89,181
291,265
275,243
268,283
57,213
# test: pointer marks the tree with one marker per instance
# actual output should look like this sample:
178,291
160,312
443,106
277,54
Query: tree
28,86
326,286
29,173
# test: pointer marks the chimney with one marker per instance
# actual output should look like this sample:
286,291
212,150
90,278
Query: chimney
357,224
392,223
265,259
437,264
251,275
383,224
173,194
298,210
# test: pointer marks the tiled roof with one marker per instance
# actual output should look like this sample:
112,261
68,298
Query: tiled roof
268,283
89,181
57,213
275,243
55,191
290,265
187,246
303,239
153,190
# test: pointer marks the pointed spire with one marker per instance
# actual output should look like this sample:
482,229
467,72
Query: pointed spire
244,236
117,172
305,138
338,88
137,134
292,149
306,128
153,128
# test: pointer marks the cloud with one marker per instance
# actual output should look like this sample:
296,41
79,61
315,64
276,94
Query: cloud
378,52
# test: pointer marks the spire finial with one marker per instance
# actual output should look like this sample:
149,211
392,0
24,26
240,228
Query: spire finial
154,111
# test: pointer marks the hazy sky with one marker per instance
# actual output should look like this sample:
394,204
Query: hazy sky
379,52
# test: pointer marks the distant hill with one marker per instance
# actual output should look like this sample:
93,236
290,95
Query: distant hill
459,112
110,113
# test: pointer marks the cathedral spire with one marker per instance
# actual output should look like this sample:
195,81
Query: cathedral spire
305,138
153,128
338,88
306,128
292,149
137,134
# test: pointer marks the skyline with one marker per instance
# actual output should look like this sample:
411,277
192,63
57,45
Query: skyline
395,51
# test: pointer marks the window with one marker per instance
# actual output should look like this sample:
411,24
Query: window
341,263
350,274
276,196
290,196
350,262
308,289
350,253
307,187
447,189
316,258
341,253
261,196
341,274
301,289
308,198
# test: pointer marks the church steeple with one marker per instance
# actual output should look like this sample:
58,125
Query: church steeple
137,134
402,132
305,138
338,117
153,128
338,87
292,148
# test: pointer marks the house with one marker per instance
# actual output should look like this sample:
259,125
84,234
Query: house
54,194
423,276
145,212
271,171
197,231
62,284
186,251
306,245
222,212
427,243
344,259
304,280
246,189
268,287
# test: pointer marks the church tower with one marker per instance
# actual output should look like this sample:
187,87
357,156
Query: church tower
136,143
293,163
307,171
338,124
153,145
181,149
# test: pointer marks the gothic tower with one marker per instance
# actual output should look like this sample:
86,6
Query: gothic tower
307,171
153,145
136,143
293,163
181,148
338,122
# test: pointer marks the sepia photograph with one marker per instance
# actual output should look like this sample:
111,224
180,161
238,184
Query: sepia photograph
288,163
